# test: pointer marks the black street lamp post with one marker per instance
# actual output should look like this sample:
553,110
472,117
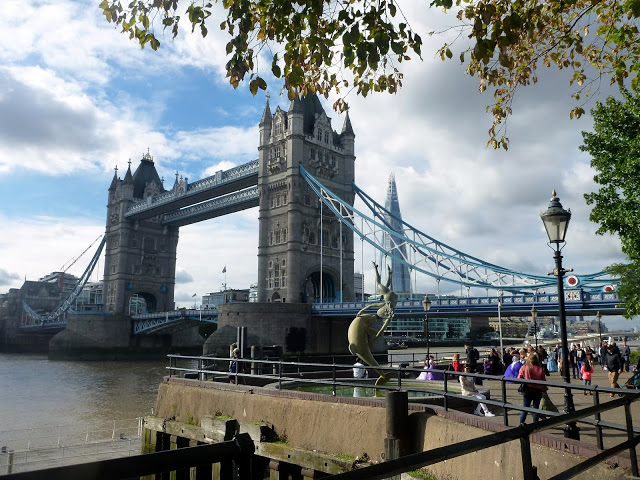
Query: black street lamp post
599,318
426,305
556,220
534,315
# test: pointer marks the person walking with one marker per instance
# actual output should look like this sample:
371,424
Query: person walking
580,356
494,359
585,372
455,364
603,354
532,394
472,356
472,359
573,362
626,352
614,365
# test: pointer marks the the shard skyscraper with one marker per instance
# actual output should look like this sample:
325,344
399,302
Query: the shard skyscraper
401,278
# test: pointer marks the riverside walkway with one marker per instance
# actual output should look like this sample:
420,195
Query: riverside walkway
587,432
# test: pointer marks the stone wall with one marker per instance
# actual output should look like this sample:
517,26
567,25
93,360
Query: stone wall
95,337
351,426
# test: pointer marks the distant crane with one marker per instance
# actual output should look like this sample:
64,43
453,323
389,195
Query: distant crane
72,262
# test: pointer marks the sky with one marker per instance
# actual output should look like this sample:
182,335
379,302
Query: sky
78,98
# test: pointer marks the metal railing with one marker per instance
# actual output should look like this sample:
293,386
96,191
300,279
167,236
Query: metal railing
281,372
46,446
335,375
240,450
521,433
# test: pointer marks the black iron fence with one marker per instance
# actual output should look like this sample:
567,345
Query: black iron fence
239,450
286,374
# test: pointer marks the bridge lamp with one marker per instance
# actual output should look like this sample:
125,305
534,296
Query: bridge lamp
534,316
599,319
556,220
426,305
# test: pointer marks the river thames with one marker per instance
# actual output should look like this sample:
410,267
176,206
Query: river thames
37,392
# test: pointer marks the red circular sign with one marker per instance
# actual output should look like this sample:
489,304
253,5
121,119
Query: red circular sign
572,281
608,288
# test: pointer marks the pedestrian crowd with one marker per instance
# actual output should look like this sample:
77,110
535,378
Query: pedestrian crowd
533,363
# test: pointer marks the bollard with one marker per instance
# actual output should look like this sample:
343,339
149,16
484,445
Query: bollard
395,445
397,414
256,354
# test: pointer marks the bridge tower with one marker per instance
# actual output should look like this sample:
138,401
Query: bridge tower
140,255
300,245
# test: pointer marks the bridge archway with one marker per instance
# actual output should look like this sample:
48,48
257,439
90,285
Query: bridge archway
328,287
142,302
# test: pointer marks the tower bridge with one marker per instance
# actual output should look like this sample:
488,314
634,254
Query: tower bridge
303,183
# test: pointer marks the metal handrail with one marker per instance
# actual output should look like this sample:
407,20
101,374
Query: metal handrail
522,433
140,465
446,393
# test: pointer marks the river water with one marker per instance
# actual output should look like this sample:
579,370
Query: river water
36,392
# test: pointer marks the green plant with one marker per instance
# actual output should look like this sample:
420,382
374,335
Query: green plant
633,358
282,439
191,420
421,474
344,456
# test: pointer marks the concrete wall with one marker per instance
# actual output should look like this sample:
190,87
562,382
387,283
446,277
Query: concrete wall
270,323
352,426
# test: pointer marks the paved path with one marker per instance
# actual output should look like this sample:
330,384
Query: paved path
587,432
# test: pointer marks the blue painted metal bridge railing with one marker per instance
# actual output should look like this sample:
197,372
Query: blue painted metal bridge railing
149,323
577,302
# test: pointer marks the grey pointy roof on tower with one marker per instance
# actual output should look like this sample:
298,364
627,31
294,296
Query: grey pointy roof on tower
266,114
114,182
346,126
310,106
145,174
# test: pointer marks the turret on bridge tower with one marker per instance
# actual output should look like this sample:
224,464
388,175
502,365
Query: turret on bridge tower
300,244
140,254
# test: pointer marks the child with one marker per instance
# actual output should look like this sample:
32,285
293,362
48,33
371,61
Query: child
586,372
488,370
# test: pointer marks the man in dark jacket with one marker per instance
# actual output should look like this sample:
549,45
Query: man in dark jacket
626,352
603,354
614,364
472,358
573,362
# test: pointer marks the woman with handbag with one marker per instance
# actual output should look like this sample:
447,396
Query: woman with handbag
531,393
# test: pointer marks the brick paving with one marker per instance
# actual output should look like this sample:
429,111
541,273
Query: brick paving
587,432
